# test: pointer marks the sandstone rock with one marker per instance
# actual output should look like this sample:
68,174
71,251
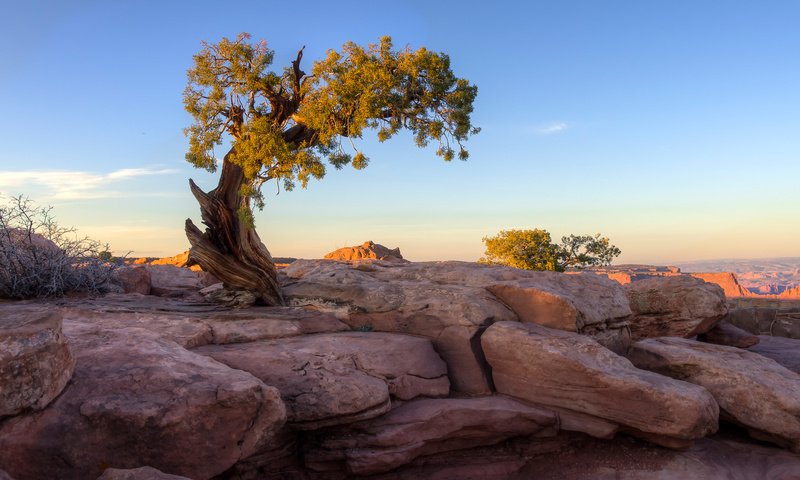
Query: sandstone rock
785,351
132,279
138,399
724,333
424,427
407,298
678,306
5,476
574,372
587,304
368,250
179,260
141,473
35,360
752,390
172,281
727,281
330,379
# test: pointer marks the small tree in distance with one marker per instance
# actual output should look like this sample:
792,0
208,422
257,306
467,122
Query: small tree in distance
534,250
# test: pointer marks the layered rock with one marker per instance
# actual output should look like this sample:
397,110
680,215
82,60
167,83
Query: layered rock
676,306
425,427
330,379
368,250
138,399
785,351
752,390
398,298
574,372
449,303
35,360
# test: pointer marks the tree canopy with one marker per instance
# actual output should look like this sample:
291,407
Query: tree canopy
534,250
284,126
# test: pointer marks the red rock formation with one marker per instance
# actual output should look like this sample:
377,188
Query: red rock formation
728,281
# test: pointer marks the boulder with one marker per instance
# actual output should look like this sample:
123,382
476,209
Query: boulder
785,351
330,379
752,390
141,473
425,427
584,303
132,279
724,333
35,359
369,250
405,298
138,399
172,281
574,372
676,306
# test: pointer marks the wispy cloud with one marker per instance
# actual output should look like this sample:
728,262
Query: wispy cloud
74,185
552,128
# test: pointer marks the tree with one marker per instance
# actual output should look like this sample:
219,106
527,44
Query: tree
283,126
534,250
525,249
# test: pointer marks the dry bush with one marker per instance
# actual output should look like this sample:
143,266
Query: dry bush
39,258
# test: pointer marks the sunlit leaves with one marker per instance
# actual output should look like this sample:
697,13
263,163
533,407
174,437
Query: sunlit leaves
282,126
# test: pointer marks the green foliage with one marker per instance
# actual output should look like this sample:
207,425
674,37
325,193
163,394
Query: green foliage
282,126
367,327
525,249
534,250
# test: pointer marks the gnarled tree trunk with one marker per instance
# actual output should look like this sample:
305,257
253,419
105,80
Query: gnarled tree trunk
230,249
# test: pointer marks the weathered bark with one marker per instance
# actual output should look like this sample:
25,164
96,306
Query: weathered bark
230,249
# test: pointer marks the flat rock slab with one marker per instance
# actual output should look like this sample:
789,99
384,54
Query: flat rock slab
329,379
710,458
566,370
172,281
785,351
674,306
141,473
424,427
136,399
192,324
752,390
35,359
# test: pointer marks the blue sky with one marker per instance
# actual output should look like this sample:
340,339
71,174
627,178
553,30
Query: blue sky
671,127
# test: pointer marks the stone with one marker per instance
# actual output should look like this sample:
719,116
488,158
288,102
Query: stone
132,279
552,367
406,298
425,427
751,390
141,473
785,351
172,281
229,297
369,250
724,333
675,306
179,260
584,303
727,281
330,379
138,399
5,476
35,359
